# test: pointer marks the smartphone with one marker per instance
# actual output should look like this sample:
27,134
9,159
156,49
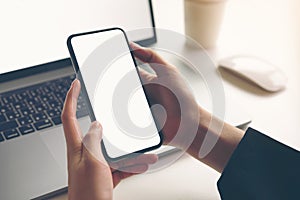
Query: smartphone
112,88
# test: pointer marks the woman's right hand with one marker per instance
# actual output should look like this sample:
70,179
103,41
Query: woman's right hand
186,124
168,89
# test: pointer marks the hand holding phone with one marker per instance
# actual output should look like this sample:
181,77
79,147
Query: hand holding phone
114,93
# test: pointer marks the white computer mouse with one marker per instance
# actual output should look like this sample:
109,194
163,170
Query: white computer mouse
257,70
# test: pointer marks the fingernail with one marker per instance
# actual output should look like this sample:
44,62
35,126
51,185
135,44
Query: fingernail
97,125
153,159
76,84
73,83
135,45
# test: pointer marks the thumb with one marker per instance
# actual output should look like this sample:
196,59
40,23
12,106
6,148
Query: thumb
92,141
156,62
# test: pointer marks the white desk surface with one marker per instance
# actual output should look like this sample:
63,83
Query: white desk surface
269,29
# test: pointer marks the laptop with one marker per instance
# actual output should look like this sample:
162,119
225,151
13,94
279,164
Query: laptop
32,145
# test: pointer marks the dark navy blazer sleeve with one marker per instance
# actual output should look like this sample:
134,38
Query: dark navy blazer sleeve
261,168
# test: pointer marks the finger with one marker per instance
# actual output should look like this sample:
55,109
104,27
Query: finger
139,160
70,124
157,63
149,84
92,141
146,54
120,175
146,76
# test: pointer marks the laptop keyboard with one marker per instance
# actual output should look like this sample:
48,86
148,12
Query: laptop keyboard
34,108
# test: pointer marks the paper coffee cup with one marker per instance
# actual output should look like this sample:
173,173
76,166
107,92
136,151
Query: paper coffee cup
203,20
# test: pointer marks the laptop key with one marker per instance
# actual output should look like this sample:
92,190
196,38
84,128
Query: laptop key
2,118
41,107
47,97
27,111
6,108
12,115
9,99
39,116
1,138
81,105
33,101
11,133
19,105
33,93
53,112
42,124
26,129
8,125
55,104
25,120
56,120
22,96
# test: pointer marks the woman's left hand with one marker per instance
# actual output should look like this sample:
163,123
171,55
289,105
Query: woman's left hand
89,175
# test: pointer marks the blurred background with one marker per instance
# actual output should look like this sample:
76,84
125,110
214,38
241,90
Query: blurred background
269,29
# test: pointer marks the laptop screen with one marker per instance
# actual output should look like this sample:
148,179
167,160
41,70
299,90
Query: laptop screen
35,31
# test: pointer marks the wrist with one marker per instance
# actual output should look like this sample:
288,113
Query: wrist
189,133
203,127
216,138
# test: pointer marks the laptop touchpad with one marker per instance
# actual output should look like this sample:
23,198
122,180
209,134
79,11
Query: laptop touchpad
27,165
54,140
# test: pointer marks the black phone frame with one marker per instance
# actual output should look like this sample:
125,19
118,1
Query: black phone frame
89,105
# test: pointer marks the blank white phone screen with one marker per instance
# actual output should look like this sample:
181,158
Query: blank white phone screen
115,92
